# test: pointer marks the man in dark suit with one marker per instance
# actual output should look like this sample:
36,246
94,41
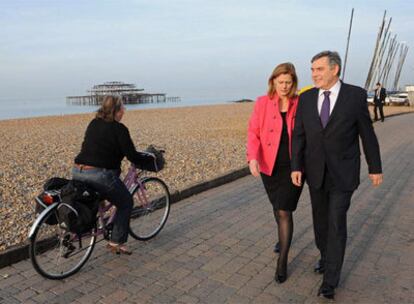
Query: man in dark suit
379,100
329,121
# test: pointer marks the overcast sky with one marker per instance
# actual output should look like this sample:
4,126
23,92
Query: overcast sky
190,48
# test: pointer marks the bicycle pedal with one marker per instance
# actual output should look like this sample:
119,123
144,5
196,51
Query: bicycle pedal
69,249
108,231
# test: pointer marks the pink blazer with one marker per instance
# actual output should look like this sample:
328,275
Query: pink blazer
265,130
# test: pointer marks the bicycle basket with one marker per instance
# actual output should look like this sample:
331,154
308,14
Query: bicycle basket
159,157
148,162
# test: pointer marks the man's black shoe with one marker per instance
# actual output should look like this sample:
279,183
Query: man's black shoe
326,291
319,267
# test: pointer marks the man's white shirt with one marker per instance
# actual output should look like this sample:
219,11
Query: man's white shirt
333,96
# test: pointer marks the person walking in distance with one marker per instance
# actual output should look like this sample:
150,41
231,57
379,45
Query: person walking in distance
379,100
330,119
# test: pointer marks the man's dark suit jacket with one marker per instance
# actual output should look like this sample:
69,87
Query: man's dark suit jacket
335,148
382,95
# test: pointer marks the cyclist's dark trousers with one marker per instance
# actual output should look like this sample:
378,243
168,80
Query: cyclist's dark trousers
110,186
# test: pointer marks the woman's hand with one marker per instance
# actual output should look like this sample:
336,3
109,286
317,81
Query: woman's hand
254,168
296,178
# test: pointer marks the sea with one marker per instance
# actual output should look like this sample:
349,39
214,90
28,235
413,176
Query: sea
20,108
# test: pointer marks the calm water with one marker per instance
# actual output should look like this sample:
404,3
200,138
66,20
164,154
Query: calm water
10,109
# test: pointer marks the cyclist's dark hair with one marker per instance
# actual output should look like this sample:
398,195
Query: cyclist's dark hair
110,106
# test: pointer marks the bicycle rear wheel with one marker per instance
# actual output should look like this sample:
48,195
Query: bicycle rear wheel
57,253
151,209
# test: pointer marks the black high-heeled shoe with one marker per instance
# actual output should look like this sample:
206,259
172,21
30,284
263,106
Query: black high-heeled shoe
281,273
276,249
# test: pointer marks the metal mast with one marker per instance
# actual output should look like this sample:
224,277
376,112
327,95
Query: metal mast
403,55
347,44
374,57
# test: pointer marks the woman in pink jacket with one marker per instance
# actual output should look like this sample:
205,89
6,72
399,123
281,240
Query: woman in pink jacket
269,152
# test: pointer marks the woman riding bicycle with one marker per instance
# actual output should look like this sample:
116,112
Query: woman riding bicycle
107,141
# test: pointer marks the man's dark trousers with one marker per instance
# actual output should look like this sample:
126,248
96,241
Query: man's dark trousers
329,211
379,99
378,106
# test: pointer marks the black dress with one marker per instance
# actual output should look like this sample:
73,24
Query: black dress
282,193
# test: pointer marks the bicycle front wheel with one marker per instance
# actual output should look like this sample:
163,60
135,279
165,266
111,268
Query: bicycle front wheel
57,253
151,209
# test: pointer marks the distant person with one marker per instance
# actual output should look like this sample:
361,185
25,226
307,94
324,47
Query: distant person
268,153
379,100
107,141
329,122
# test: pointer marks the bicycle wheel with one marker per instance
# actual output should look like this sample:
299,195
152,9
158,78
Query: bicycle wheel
151,209
57,253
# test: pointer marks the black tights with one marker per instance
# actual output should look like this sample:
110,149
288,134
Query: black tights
285,229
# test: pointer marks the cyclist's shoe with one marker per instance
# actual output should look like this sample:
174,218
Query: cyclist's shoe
118,249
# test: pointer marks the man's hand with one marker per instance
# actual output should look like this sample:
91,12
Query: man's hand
376,179
296,178
254,168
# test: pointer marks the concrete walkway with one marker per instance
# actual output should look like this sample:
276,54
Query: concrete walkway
217,248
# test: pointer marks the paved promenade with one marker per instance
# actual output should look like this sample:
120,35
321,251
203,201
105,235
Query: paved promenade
217,248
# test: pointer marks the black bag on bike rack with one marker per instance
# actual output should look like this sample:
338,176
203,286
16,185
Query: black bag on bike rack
50,195
55,183
78,208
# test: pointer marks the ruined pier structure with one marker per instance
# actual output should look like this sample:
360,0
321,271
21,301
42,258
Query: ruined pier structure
128,92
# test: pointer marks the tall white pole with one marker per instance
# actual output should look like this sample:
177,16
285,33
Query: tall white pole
347,44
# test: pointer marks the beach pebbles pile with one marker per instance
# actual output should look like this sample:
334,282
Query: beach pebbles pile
200,142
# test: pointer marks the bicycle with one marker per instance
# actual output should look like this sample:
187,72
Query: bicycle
57,253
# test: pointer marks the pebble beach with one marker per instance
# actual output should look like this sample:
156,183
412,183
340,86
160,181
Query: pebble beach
201,143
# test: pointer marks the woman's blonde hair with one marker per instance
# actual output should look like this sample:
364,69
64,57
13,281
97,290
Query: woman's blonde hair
283,68
110,106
